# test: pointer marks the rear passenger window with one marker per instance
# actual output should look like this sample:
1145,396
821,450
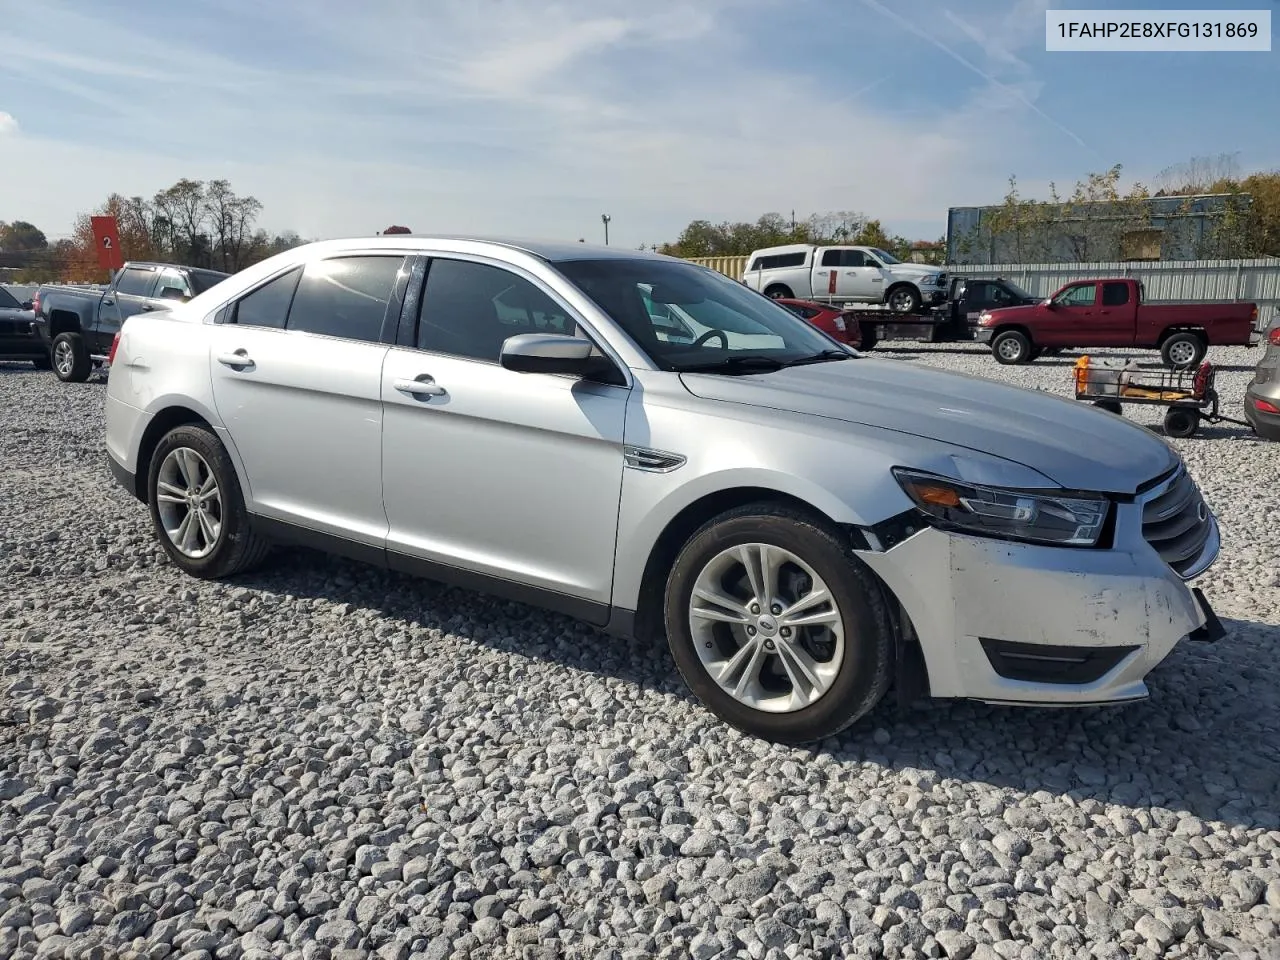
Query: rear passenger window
268,306
345,297
135,283
1115,294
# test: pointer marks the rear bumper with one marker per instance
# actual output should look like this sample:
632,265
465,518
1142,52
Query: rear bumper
124,476
1265,425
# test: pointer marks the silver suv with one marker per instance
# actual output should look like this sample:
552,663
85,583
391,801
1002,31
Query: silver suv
806,526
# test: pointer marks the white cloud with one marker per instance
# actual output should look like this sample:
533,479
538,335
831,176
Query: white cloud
8,124
502,116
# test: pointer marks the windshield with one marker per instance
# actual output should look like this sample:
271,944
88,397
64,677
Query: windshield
1017,291
885,257
687,317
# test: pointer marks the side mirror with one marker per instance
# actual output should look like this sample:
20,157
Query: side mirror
1049,304
27,305
548,353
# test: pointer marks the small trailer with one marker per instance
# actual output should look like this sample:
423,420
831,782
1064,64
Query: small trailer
1189,395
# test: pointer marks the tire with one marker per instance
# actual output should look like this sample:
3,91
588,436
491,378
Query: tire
779,291
1181,421
1183,350
1111,406
234,547
858,661
42,363
903,299
869,339
1011,347
70,358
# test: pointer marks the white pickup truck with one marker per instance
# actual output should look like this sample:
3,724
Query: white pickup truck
844,274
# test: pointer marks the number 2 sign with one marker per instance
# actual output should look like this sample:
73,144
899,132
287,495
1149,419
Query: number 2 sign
106,236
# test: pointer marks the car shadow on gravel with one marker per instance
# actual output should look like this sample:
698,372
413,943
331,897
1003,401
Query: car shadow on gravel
1207,742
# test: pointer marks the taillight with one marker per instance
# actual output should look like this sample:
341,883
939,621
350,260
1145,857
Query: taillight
1274,336
1265,406
35,304
111,354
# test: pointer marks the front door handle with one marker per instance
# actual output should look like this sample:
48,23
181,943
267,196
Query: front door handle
108,302
422,386
147,307
240,359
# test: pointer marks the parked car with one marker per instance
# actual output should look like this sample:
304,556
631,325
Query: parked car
18,340
1110,313
1262,396
805,524
832,321
76,324
844,274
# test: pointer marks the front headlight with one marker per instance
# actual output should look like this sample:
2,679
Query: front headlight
984,319
1068,521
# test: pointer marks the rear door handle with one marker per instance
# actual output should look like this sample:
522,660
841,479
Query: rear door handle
108,302
239,358
422,386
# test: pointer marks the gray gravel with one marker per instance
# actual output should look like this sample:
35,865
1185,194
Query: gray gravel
324,760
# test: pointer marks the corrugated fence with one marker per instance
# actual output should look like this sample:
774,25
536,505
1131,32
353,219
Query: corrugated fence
1183,280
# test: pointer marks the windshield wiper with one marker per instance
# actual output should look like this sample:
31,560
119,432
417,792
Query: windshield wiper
751,363
822,357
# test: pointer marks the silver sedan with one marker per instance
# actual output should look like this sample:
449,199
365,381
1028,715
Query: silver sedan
658,450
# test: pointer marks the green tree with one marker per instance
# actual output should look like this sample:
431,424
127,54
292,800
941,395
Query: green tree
21,237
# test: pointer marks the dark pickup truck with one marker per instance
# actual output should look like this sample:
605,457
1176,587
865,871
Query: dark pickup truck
1110,313
77,324
18,339
954,320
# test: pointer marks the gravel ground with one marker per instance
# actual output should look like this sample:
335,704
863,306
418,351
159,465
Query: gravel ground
326,760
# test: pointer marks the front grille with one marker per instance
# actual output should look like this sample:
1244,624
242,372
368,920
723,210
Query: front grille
1177,523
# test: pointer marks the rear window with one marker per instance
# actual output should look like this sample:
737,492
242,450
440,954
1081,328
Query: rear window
267,306
201,281
777,260
345,297
1115,294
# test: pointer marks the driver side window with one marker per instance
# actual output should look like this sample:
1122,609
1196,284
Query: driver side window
1084,295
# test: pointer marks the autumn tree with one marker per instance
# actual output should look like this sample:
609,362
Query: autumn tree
702,238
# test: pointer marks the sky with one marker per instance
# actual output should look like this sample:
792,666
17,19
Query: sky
534,117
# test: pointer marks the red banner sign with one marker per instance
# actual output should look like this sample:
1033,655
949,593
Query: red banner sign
106,237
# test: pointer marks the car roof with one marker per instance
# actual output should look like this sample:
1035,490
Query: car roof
550,250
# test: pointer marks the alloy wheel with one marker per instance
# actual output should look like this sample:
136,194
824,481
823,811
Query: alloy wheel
766,628
189,502
1182,352
63,358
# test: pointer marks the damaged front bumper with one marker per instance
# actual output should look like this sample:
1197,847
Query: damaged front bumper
1019,623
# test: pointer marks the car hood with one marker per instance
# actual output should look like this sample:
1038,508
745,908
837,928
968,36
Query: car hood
913,269
1074,445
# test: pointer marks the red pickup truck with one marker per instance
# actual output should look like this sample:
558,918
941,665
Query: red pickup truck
1110,313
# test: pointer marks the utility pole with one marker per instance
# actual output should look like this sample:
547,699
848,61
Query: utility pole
605,218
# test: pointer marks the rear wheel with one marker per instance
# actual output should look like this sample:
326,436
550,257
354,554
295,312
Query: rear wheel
776,626
869,338
779,291
197,507
1181,421
1183,350
1011,347
70,358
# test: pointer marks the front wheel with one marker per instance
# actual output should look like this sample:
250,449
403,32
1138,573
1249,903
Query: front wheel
776,626
1012,347
1182,350
904,299
70,357
778,292
197,507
